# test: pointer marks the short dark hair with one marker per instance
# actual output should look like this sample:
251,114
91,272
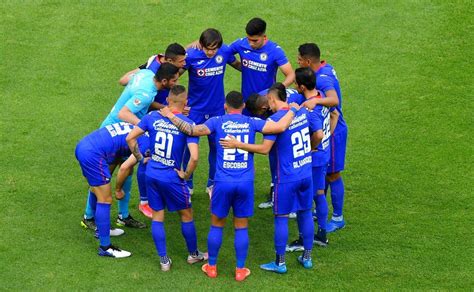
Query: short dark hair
211,37
166,71
256,26
234,99
279,89
309,50
174,50
306,77
177,90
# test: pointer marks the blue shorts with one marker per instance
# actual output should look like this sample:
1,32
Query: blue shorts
338,152
201,118
173,196
319,178
93,164
238,195
293,196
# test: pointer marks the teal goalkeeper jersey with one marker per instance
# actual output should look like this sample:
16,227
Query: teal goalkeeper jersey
137,97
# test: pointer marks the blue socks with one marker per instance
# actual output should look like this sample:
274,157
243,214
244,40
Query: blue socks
102,221
321,210
141,180
91,205
281,234
214,242
188,230
306,228
337,196
241,244
159,237
123,203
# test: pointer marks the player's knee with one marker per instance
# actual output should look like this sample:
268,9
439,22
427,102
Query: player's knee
158,215
320,192
216,221
240,222
333,176
186,215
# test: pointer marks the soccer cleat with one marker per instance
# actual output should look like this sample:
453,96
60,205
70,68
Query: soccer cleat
145,209
306,263
165,267
315,216
113,232
200,257
211,271
88,223
191,191
130,222
292,215
296,245
266,205
320,238
113,252
273,267
209,190
335,225
241,274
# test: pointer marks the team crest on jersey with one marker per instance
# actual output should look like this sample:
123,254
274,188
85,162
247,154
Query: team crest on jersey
137,102
201,72
263,56
219,59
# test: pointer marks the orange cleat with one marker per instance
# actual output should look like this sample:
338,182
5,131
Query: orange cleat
211,271
241,274
145,209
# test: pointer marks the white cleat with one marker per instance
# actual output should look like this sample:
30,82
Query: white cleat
292,215
116,232
265,205
200,257
166,267
114,252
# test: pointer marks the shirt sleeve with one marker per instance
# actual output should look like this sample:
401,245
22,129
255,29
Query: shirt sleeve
230,56
211,124
324,83
143,144
140,100
192,139
258,124
143,123
188,59
280,57
315,120
233,47
142,66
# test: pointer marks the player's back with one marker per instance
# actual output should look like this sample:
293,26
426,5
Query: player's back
232,164
290,155
167,145
141,88
319,119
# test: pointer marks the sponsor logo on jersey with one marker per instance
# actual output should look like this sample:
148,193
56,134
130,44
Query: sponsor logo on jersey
200,62
254,65
210,71
137,102
246,51
219,59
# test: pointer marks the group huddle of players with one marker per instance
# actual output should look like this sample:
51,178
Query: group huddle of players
156,123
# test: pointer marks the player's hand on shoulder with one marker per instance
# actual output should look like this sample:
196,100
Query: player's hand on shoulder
186,110
310,104
295,105
229,142
194,45
165,112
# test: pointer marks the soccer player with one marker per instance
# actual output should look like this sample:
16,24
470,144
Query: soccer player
291,157
231,164
320,130
130,107
206,67
96,152
260,58
309,55
166,182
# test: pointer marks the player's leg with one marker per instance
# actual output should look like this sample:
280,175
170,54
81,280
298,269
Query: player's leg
220,205
282,206
155,192
242,205
141,181
334,180
304,198
124,217
188,230
319,182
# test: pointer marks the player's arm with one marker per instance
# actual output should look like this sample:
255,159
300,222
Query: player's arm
133,144
334,117
126,115
124,171
193,161
316,139
330,100
231,142
289,73
272,127
127,76
156,105
236,65
183,126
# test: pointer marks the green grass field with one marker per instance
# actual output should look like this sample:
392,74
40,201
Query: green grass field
406,73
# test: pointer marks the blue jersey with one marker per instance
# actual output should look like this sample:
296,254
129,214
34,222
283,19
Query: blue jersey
110,142
290,156
319,119
292,95
206,79
167,145
137,96
326,79
259,67
232,164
